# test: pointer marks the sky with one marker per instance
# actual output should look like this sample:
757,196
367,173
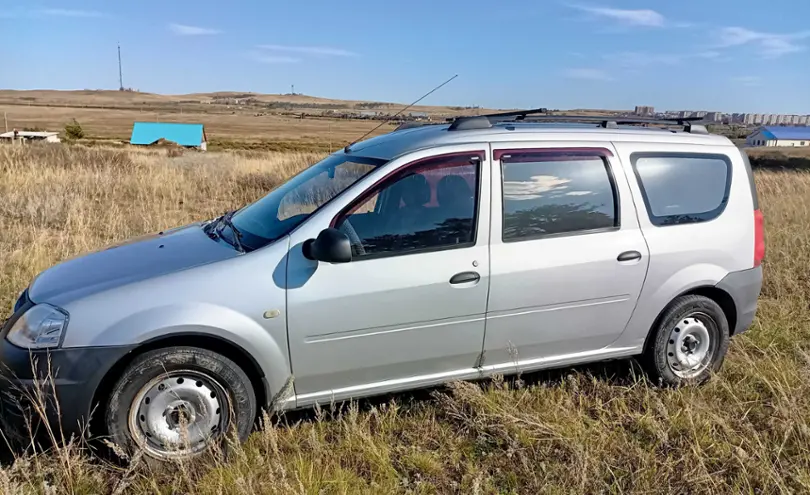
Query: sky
723,55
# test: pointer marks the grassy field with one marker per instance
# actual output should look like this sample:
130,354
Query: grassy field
596,429
263,122
223,128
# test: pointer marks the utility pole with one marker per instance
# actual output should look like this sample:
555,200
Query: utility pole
5,120
292,89
120,72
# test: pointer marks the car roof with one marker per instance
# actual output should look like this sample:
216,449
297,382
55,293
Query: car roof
399,142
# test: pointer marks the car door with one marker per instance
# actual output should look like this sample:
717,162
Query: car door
567,257
408,310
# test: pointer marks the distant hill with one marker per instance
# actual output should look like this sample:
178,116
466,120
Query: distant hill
112,99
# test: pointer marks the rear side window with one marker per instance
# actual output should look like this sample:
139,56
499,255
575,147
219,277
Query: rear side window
681,188
556,193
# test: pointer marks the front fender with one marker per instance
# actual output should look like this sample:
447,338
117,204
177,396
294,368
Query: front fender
212,320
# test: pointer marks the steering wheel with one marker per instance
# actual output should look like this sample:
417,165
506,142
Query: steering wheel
354,239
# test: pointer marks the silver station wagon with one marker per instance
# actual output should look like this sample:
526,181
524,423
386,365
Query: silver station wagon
486,245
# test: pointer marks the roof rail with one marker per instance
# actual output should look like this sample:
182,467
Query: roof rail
486,121
690,124
410,125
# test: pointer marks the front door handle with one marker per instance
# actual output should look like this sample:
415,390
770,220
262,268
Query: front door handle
465,277
629,256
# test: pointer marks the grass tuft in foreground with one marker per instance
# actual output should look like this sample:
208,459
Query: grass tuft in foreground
601,428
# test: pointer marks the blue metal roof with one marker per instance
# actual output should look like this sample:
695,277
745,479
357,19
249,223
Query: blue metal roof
792,133
182,134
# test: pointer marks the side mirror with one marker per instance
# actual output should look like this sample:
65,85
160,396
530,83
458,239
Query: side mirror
331,246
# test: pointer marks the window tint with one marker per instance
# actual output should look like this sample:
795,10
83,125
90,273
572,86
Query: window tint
431,206
545,194
682,188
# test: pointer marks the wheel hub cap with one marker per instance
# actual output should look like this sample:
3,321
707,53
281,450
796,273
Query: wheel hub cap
178,414
689,347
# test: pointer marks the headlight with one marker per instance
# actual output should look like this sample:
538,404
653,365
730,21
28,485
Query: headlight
40,327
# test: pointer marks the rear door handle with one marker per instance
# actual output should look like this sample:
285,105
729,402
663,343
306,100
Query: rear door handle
465,277
629,256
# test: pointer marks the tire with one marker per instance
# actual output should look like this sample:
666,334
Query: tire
671,350
179,402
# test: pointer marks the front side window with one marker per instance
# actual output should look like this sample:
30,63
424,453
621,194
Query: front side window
428,206
547,193
682,188
279,212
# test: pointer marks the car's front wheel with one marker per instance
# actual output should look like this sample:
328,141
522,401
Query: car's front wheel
178,402
689,342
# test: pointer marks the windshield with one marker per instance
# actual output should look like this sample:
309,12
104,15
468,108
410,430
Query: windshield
284,208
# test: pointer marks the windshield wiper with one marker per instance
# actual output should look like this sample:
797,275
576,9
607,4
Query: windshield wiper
225,221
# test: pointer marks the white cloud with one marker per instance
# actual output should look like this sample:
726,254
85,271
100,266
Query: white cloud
643,59
638,60
769,45
69,13
749,81
327,51
709,55
185,30
273,59
587,74
640,17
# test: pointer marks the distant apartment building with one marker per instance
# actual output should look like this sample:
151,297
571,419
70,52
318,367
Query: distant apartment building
749,119
644,111
771,119
715,116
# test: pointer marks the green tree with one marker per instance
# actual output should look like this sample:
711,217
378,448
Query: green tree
73,130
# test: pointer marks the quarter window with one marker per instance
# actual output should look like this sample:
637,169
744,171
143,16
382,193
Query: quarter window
429,206
551,193
683,188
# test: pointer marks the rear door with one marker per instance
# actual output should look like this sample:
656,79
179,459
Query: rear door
567,257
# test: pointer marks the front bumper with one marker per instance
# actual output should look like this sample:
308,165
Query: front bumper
54,387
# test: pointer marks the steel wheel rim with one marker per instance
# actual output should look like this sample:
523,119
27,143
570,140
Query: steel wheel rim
178,414
691,345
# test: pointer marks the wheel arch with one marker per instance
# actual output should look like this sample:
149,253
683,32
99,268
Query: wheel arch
716,294
213,343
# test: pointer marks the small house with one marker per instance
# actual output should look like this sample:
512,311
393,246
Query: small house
187,135
25,136
781,136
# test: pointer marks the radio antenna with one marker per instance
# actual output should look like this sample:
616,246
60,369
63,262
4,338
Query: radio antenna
349,146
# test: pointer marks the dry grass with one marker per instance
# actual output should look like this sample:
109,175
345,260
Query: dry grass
591,430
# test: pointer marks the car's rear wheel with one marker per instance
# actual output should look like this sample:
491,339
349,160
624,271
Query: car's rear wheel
689,342
179,402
